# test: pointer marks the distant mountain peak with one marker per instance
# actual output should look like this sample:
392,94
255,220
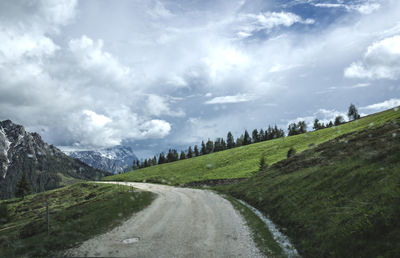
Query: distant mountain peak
115,159
24,152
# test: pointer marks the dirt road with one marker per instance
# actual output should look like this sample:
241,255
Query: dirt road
181,222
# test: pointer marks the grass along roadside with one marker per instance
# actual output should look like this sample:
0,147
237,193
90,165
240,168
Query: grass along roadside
77,213
339,199
243,162
261,235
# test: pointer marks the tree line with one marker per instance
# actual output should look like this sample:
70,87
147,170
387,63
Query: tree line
219,144
301,126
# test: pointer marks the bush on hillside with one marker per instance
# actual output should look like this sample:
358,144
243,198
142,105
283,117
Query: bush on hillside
291,152
262,163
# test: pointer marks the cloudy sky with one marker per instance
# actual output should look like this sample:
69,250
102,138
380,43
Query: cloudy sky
160,74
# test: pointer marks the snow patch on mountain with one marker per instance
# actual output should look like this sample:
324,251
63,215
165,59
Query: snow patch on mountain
4,148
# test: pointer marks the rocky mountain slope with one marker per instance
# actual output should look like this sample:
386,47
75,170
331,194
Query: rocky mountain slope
114,160
45,166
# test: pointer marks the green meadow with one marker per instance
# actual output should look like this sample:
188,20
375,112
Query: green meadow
243,162
339,199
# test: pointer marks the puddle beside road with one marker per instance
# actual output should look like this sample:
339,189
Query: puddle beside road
131,240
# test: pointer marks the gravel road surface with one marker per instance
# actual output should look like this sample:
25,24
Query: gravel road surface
181,222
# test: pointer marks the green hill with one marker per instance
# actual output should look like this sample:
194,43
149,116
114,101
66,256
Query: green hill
339,199
242,162
77,213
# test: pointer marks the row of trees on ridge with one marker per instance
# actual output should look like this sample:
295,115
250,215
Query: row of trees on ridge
219,144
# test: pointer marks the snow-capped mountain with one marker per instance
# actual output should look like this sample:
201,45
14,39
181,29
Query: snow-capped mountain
44,165
115,159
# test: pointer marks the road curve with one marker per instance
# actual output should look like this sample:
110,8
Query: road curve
181,222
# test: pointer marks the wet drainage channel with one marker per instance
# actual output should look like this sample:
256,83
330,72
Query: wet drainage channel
131,240
279,237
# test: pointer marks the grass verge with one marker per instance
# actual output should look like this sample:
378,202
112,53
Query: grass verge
339,199
259,231
77,213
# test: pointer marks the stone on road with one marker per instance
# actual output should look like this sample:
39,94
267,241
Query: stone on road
181,222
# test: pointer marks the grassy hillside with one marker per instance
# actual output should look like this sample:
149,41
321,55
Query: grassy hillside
339,199
77,213
243,161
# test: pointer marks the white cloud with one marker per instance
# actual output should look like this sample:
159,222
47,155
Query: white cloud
365,8
381,61
175,80
231,99
59,12
101,64
135,55
95,119
26,28
155,129
250,23
222,60
158,106
16,45
360,85
159,11
391,103
98,96
43,15
88,129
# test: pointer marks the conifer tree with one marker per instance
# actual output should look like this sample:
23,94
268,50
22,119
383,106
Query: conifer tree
292,129
23,187
302,127
134,165
172,155
275,132
281,133
196,151
246,138
209,146
223,144
230,141
182,156
203,148
255,136
339,120
239,141
353,113
190,152
317,125
261,135
217,145
269,134
161,158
